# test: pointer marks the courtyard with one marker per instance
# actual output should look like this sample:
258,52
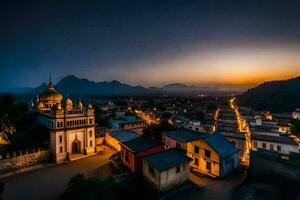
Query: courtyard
49,183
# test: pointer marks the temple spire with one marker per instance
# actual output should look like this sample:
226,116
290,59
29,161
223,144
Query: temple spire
50,81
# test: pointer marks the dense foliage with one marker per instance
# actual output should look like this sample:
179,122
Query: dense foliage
80,187
155,130
11,113
295,127
276,96
28,133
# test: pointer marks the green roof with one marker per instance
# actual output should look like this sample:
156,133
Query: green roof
141,143
165,160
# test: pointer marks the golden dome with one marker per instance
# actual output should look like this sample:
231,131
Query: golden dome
50,94
69,103
80,105
40,105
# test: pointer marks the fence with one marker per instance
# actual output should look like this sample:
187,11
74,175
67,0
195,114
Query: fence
23,158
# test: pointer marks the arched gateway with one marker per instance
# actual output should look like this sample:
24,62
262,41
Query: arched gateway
76,146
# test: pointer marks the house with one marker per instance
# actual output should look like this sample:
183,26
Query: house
133,151
239,140
281,144
213,155
114,138
296,114
166,169
129,122
180,138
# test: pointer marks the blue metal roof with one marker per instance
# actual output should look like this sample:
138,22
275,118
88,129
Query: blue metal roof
123,135
221,145
167,159
184,135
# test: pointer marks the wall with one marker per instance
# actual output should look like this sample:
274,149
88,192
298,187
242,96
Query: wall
99,141
167,179
240,144
229,164
285,148
23,159
214,158
131,158
135,160
139,156
112,142
171,143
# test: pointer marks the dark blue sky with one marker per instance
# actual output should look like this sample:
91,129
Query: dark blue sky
149,42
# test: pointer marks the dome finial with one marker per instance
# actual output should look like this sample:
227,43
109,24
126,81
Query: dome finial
50,81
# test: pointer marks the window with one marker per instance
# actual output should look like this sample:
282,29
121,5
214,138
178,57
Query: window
255,144
91,121
264,145
196,149
151,170
91,143
196,162
207,153
278,148
177,145
91,133
178,169
57,124
60,139
60,149
271,147
208,166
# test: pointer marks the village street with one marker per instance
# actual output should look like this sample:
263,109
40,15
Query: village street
49,183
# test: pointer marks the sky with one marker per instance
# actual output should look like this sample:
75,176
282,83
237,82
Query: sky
150,42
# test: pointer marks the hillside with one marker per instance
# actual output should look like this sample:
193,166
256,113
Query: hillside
75,86
276,96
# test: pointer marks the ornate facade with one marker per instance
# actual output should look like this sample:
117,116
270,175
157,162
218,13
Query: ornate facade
72,128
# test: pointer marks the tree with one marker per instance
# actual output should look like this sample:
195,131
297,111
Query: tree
155,130
295,127
80,187
200,116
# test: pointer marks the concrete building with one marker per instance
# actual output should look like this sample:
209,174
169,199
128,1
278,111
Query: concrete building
239,140
213,155
72,129
129,122
114,138
180,138
166,169
194,125
296,114
281,144
133,151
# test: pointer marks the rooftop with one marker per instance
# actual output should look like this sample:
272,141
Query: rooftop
234,135
165,160
184,135
123,135
141,143
221,145
278,139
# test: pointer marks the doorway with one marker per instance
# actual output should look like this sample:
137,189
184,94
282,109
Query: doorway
76,146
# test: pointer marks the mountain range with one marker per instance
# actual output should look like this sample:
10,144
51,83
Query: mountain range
73,85
275,96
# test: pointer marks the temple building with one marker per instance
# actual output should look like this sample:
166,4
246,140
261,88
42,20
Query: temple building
72,128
